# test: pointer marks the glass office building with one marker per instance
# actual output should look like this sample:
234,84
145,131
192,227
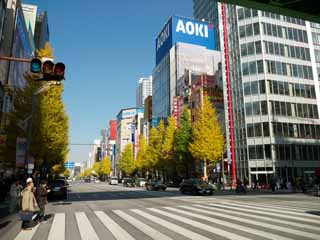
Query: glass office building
274,64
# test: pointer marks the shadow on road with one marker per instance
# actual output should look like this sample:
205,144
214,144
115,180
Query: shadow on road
4,224
116,195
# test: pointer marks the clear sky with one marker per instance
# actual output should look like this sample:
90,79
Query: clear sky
106,46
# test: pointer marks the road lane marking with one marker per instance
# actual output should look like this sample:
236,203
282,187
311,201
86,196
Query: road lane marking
57,230
253,222
229,224
151,232
118,232
171,226
260,217
199,225
86,230
317,218
26,234
263,212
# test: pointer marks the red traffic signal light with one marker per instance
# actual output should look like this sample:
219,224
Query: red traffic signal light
59,70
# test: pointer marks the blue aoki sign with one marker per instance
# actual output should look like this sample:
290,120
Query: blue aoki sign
180,29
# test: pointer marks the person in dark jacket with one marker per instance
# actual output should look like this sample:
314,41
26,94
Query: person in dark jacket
42,193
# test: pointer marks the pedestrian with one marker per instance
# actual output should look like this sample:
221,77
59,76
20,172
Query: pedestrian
15,191
29,206
41,194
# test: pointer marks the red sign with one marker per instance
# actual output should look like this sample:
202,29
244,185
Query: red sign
317,172
175,110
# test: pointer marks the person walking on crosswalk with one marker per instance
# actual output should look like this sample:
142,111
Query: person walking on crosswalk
41,194
29,206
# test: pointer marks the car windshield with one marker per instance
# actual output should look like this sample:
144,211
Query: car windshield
198,181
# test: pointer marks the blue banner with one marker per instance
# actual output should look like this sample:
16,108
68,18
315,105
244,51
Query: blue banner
180,29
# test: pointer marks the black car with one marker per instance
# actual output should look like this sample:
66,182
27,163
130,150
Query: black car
196,186
128,182
58,189
155,185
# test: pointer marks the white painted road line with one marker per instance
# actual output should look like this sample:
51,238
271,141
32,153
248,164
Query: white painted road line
268,209
26,234
171,226
265,213
230,212
86,230
118,232
57,230
201,226
256,223
230,225
151,232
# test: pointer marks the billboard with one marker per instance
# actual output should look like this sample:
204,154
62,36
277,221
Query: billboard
21,148
186,30
128,113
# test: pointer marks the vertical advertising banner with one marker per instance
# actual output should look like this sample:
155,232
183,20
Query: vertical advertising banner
175,110
21,148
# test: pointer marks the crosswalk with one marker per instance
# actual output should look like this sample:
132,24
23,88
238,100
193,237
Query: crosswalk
236,220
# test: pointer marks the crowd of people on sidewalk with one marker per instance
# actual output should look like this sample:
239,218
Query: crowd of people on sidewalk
28,199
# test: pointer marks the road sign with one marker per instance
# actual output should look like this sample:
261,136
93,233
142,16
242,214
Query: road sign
69,165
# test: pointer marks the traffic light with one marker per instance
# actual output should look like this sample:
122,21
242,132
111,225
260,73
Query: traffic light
35,66
49,70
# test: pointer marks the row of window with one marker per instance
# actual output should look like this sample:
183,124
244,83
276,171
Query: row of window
289,152
316,38
258,129
297,90
284,50
256,108
285,32
287,69
251,48
294,130
300,110
260,151
255,87
251,68
284,18
245,13
249,30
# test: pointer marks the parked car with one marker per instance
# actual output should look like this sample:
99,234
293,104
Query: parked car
58,189
87,180
128,182
113,181
141,182
155,185
196,186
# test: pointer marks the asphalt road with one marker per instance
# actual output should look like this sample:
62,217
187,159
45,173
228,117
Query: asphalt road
100,211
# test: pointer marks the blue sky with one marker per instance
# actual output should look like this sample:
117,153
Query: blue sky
106,46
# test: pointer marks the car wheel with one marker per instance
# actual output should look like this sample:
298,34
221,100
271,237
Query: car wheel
194,192
163,189
182,190
211,193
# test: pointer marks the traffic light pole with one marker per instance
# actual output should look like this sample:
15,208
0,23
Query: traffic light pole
29,131
15,59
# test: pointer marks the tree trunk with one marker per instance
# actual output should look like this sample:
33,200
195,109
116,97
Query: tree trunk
205,169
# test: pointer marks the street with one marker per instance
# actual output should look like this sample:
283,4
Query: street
100,211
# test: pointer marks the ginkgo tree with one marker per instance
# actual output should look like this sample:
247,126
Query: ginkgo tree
207,139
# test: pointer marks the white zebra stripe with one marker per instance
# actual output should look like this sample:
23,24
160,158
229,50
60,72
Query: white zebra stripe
265,213
201,226
118,232
86,230
57,230
260,217
260,224
171,226
229,224
151,232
